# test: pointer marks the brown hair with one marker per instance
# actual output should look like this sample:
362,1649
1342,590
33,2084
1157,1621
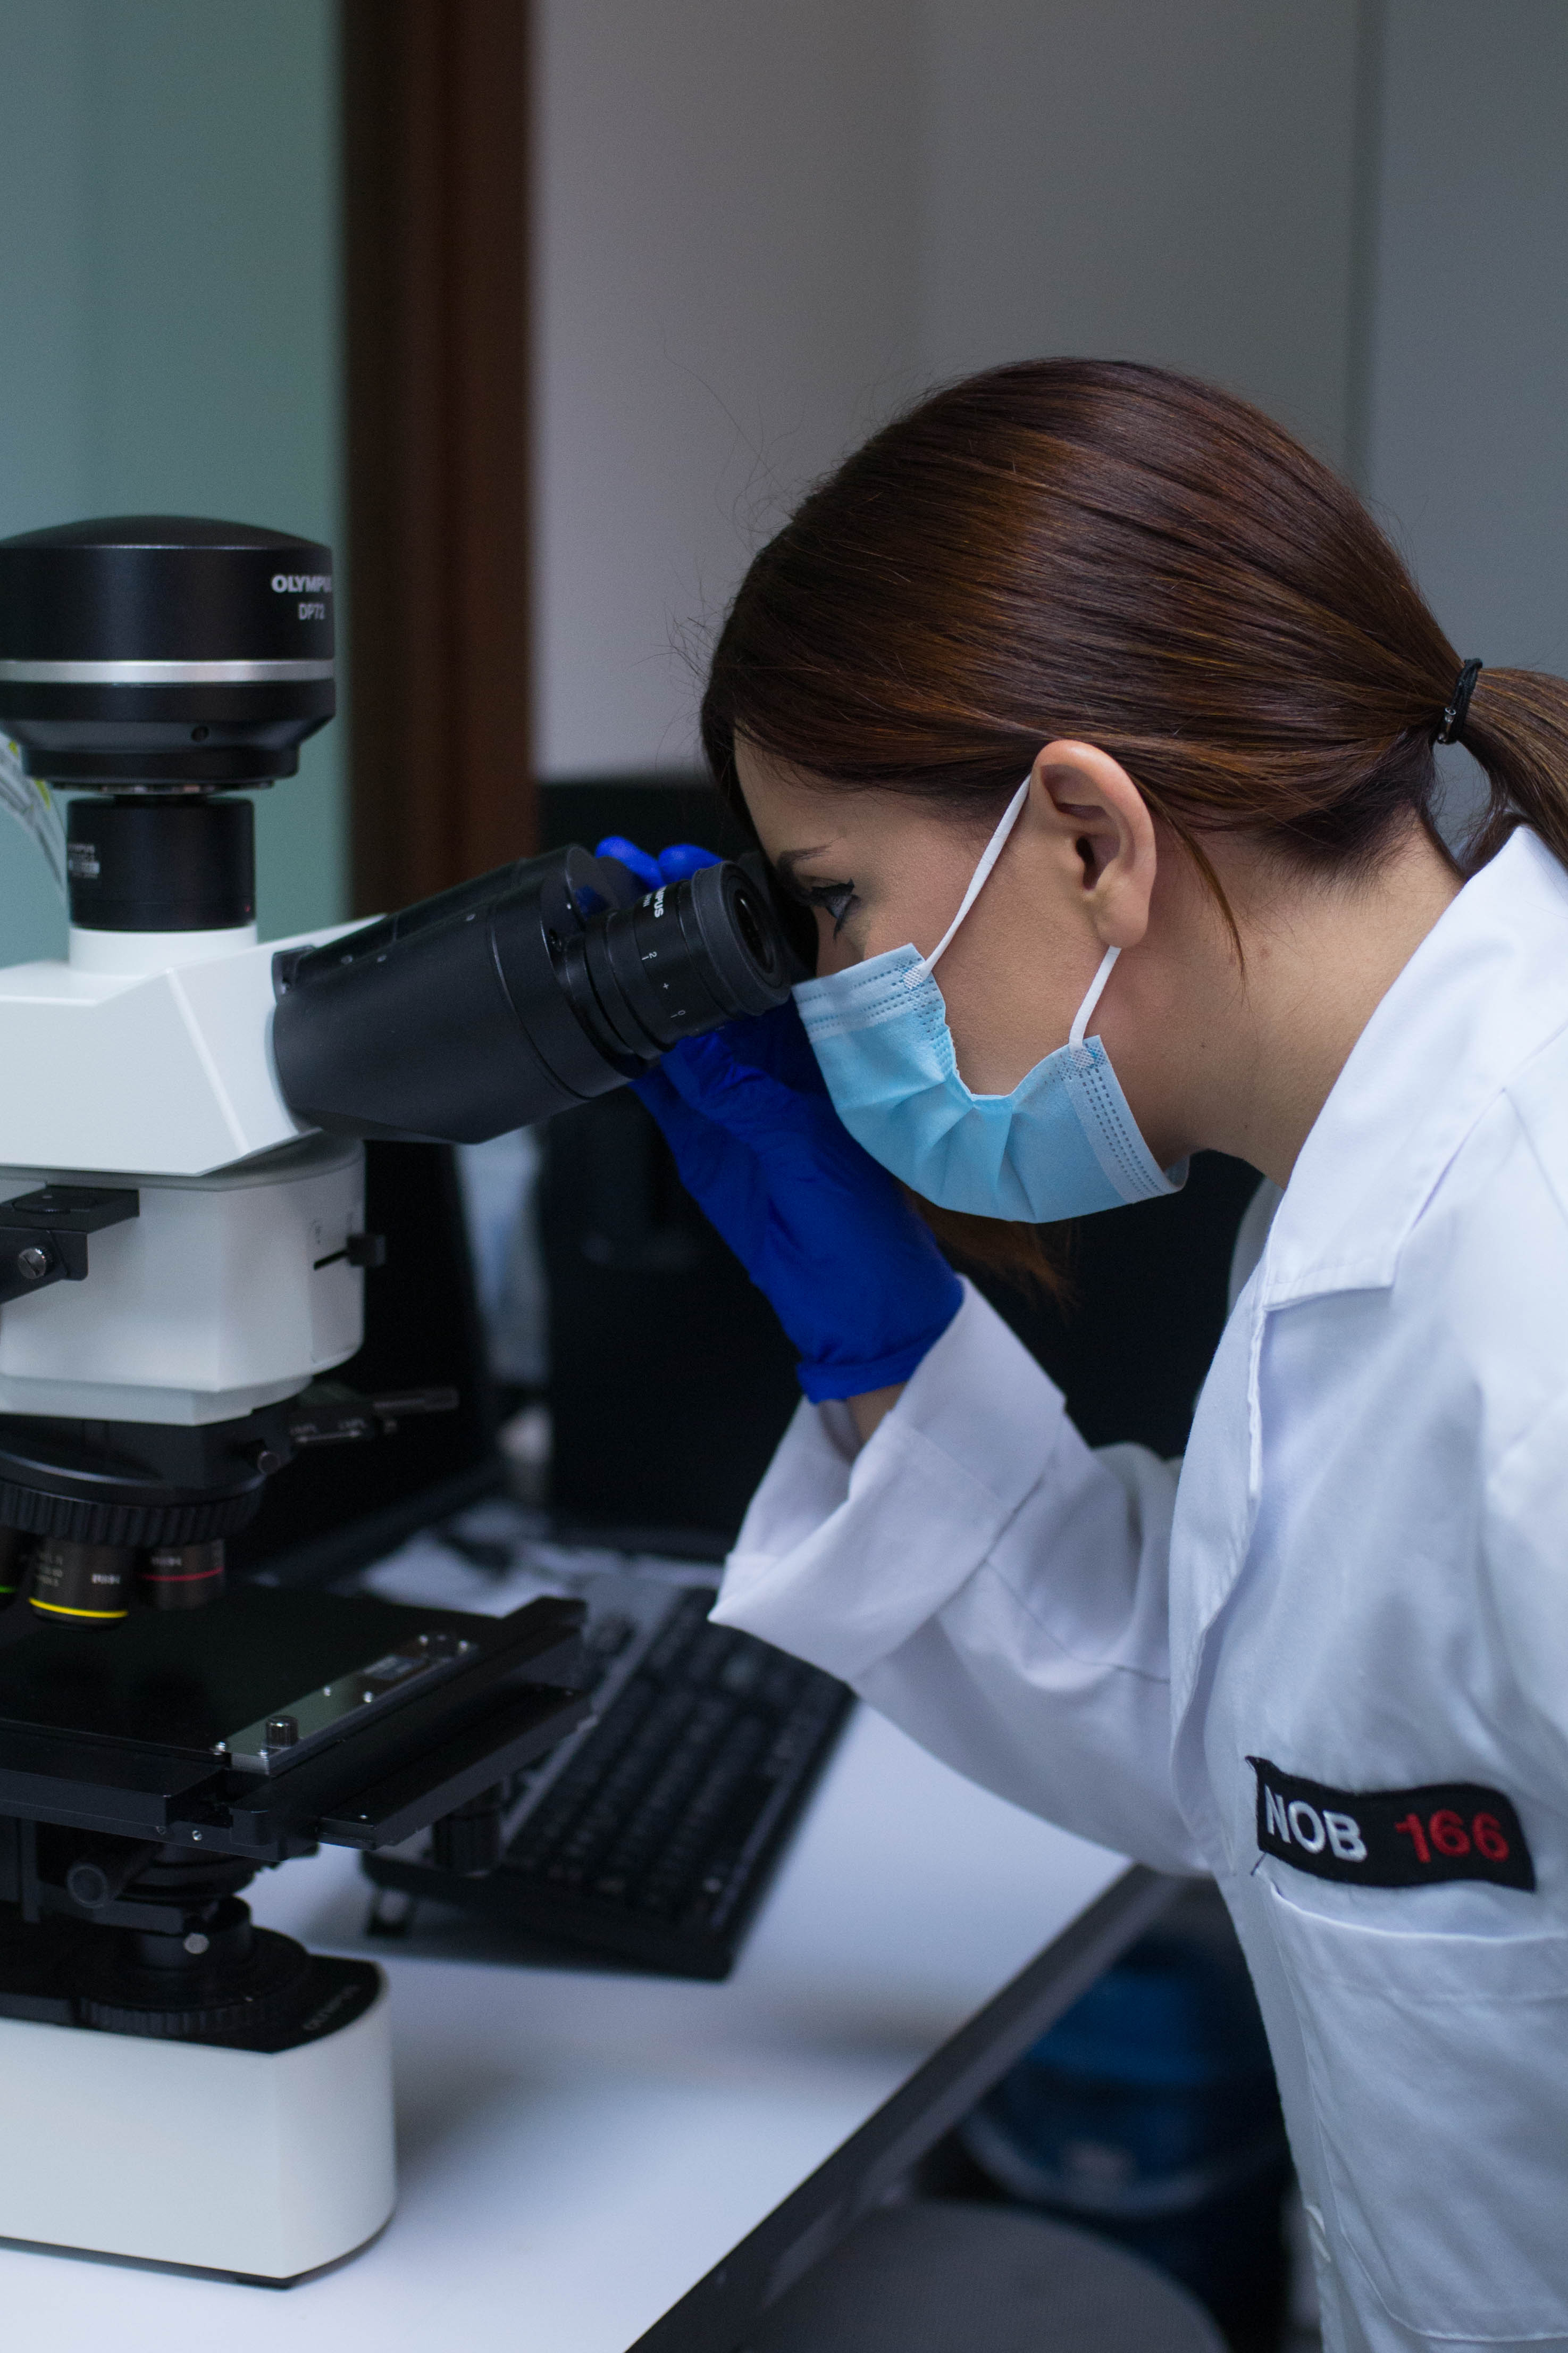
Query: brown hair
1096,550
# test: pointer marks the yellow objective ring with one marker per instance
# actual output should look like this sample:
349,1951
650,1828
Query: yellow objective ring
58,1609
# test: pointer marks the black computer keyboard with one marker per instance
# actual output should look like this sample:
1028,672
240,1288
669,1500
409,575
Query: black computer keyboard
650,1835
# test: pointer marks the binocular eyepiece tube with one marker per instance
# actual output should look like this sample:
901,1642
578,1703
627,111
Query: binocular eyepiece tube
537,986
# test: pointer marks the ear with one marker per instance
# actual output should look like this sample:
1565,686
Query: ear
1090,803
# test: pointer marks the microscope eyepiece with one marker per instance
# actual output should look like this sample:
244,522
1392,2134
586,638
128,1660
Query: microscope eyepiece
535,987
678,961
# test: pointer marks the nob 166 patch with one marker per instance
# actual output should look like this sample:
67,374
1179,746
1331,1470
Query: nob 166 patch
1391,1838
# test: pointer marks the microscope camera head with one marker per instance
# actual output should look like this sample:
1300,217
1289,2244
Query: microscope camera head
158,662
164,654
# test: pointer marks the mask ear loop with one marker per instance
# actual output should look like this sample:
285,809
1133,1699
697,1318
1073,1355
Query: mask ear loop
1096,989
977,881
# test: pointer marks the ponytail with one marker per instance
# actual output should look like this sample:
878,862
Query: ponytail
1517,729
1098,550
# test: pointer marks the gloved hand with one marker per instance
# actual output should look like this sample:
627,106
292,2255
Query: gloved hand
671,865
854,1275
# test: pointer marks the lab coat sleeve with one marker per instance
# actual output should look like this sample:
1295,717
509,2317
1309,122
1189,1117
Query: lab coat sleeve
980,1576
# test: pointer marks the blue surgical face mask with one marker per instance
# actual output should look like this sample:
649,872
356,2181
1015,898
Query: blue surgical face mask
1062,1144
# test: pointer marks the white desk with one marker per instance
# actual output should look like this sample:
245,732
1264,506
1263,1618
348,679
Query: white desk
576,2151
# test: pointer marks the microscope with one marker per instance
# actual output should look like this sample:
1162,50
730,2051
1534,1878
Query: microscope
183,1263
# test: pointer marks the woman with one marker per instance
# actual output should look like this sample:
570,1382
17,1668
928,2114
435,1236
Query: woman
1089,681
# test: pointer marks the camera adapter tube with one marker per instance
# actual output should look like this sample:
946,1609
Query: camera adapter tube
535,988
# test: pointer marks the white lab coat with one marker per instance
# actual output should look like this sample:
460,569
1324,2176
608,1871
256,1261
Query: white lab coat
1361,1575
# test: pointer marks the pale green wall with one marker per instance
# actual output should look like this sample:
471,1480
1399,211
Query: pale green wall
169,322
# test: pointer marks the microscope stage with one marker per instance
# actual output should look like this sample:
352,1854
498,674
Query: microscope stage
273,1719
188,1681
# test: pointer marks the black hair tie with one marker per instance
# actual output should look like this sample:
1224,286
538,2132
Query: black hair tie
1452,725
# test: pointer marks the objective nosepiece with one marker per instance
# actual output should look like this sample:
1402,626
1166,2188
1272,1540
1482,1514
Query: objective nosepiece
164,653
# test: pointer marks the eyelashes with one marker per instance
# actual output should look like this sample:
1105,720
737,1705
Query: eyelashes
837,898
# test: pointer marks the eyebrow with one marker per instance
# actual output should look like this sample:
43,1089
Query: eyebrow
788,860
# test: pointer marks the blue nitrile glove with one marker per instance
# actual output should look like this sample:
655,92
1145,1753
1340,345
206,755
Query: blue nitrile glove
670,866
684,857
854,1275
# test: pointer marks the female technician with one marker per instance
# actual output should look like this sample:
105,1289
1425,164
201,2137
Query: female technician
1088,688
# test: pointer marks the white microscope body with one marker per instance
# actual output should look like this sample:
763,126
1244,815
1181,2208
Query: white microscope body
141,1066
145,1057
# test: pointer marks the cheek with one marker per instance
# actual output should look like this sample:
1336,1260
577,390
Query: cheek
1010,1002
832,954
973,1003
861,935
893,918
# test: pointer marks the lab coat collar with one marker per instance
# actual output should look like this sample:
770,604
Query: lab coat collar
1483,993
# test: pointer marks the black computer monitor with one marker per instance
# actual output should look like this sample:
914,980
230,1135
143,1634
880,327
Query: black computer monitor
335,1508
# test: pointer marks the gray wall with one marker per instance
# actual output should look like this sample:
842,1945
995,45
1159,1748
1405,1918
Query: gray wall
728,288
168,288
1466,432
1133,180
1459,434
764,226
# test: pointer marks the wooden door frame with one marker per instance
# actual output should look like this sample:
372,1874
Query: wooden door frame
436,278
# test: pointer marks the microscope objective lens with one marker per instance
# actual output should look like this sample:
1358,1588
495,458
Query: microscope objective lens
91,1583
